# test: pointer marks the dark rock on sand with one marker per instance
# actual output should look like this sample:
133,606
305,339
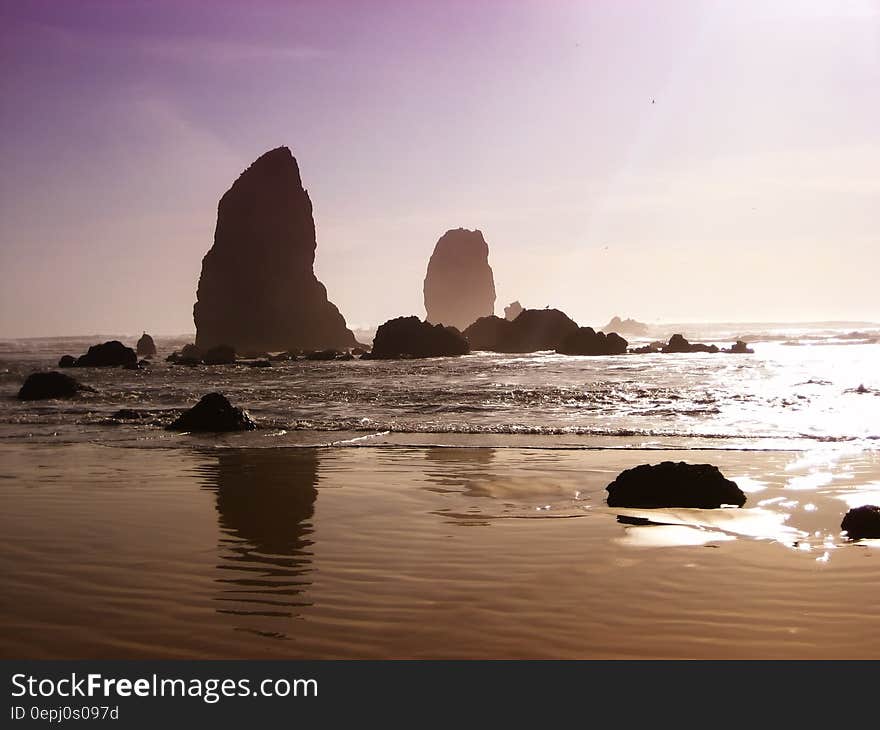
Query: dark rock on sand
41,386
67,361
626,326
586,341
678,344
862,522
213,413
258,291
512,311
670,484
740,348
108,354
219,355
145,346
410,337
459,287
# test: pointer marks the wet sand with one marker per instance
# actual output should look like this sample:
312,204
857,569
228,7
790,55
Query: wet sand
426,552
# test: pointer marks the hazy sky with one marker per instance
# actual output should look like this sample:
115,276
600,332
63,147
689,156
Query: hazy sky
749,191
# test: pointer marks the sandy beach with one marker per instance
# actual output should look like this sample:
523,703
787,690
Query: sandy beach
427,552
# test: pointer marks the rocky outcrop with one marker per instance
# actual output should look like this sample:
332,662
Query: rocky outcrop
108,354
626,327
586,341
512,311
213,413
459,287
531,331
145,346
219,355
740,348
862,522
410,337
677,343
41,386
671,484
258,291
67,361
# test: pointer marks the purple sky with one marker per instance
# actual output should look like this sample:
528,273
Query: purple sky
748,191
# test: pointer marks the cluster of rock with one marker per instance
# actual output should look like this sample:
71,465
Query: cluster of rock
678,344
406,337
257,290
532,331
459,287
586,341
627,327
107,354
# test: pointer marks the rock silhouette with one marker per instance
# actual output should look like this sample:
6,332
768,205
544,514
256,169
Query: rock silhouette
862,522
671,484
108,354
740,348
512,311
586,341
531,331
41,386
258,291
677,343
145,346
626,327
213,413
219,355
67,361
459,287
410,337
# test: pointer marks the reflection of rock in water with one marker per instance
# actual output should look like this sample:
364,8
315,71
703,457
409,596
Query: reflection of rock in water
265,501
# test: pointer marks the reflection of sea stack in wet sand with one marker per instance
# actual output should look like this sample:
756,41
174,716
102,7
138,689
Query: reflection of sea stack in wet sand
459,286
258,290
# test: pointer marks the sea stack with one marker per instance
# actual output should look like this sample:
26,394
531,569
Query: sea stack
258,291
145,346
459,287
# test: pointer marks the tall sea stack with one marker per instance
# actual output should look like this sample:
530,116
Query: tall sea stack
459,286
258,290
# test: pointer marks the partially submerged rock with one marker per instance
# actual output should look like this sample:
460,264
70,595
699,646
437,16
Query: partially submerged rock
213,413
586,341
678,344
67,361
107,354
219,355
862,522
671,484
410,337
740,348
41,386
145,346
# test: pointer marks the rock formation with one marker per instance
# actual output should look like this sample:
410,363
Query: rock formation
213,413
512,311
862,522
219,355
677,343
669,484
67,361
740,348
489,333
459,287
41,386
108,354
410,337
586,341
626,327
257,290
531,331
145,346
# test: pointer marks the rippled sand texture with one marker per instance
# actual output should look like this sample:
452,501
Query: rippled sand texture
426,552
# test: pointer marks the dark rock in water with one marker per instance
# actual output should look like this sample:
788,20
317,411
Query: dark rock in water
651,348
489,333
258,291
345,356
358,351
323,355
410,337
128,414
626,326
219,355
145,346
41,386
213,413
862,522
280,357
144,364
586,341
133,366
459,287
678,344
740,348
108,354
672,484
257,363
67,361
512,311
188,355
